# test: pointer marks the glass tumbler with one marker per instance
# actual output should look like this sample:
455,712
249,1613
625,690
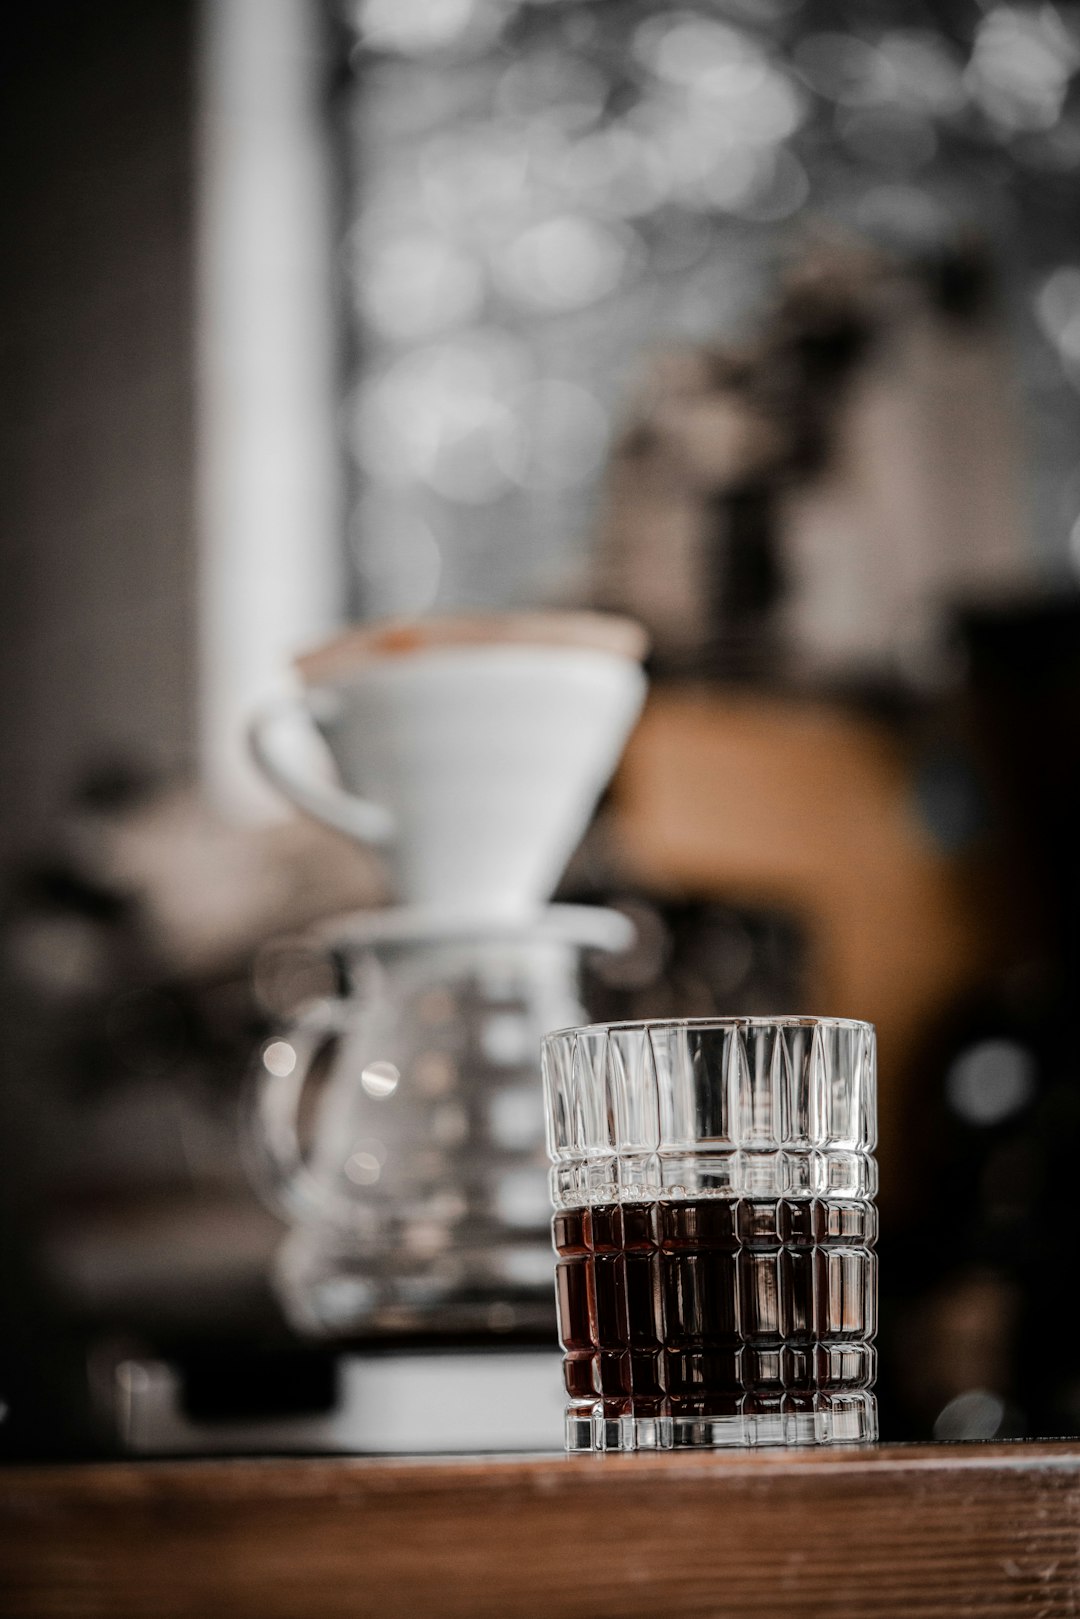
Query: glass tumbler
713,1184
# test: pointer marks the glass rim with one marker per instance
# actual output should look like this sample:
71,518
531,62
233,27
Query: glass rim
782,1020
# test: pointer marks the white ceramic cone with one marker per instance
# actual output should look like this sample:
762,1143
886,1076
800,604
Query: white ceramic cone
477,760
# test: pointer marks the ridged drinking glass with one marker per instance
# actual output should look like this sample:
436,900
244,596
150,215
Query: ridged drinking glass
714,1186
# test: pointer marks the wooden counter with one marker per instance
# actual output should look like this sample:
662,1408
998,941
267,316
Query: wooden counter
889,1533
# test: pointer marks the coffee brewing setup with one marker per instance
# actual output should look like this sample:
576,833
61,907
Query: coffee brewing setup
398,1125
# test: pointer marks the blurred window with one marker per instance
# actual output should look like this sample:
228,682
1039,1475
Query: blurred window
537,191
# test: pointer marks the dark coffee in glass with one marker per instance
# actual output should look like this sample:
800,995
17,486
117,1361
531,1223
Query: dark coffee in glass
716,1313
715,1308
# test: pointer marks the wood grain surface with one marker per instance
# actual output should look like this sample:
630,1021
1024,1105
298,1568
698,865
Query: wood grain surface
890,1533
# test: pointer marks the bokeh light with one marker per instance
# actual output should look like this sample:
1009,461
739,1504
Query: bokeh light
536,184
418,284
439,415
1021,64
564,262
1058,307
419,26
398,557
565,433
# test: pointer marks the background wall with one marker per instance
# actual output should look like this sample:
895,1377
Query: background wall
96,457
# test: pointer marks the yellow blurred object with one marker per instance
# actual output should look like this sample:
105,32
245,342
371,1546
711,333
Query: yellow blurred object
770,799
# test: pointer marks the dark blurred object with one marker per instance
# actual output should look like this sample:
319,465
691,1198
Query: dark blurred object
96,615
116,1072
222,1382
130,1012
699,959
992,1242
97,458
719,449
1024,674
773,510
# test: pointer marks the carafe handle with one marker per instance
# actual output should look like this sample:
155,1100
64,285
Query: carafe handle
277,1157
342,811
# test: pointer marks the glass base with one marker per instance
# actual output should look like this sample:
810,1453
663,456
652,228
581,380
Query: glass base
825,1419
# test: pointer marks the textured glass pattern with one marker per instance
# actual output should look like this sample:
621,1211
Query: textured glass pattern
739,1107
713,1183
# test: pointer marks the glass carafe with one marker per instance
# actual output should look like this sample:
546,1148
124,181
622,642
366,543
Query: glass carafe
399,1126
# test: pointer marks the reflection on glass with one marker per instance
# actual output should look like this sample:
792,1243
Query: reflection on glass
380,1079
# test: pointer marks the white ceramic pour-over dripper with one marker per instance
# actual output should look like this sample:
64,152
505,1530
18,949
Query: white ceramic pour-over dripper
475,755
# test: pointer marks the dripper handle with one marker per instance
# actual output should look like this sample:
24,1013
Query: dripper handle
340,810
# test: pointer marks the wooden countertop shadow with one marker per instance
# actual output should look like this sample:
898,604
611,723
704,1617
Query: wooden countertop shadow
885,1533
